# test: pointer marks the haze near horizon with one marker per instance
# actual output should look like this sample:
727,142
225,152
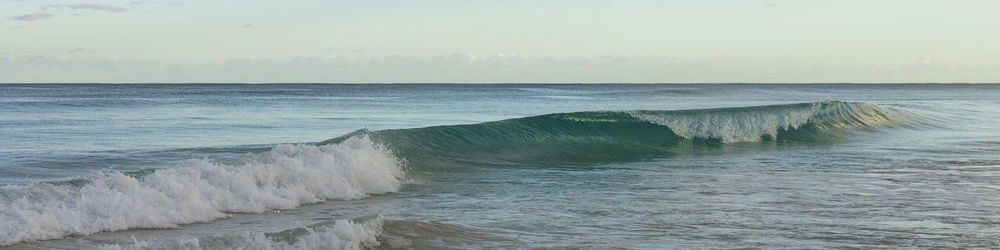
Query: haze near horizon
72,41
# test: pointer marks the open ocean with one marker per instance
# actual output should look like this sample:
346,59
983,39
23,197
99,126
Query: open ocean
433,166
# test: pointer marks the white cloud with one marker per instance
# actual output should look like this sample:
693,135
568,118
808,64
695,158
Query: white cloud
31,17
90,6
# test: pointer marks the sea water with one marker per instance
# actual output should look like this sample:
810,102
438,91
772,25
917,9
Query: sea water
278,166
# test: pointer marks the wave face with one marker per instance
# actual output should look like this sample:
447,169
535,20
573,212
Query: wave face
586,137
198,191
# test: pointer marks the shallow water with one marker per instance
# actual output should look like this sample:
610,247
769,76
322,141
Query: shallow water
182,166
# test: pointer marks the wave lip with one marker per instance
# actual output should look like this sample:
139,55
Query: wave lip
751,124
198,191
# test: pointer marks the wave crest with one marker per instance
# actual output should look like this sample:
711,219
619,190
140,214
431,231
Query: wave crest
751,124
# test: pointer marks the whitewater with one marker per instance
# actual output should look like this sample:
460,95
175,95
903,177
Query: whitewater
498,166
197,191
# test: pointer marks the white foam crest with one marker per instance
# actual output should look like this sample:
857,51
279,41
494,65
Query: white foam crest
732,125
199,191
342,234
750,124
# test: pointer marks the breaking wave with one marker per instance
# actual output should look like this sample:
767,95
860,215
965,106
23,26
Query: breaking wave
586,137
198,191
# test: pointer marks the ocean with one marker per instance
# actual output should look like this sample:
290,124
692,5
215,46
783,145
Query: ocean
458,166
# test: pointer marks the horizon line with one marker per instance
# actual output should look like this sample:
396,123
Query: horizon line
480,83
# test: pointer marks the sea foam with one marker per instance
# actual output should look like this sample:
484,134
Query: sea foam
198,191
340,234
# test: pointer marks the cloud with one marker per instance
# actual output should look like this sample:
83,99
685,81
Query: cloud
32,17
51,6
78,50
91,6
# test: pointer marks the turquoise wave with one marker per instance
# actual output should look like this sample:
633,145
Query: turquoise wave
601,136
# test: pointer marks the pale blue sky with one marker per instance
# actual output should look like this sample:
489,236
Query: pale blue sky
499,41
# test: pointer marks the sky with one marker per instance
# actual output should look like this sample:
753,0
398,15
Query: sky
514,41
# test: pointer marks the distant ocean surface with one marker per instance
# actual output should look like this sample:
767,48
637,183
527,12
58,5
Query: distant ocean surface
437,166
